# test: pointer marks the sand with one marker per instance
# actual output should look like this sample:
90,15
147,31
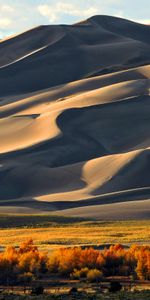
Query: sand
74,120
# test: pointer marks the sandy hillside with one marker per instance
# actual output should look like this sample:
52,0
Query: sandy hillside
75,120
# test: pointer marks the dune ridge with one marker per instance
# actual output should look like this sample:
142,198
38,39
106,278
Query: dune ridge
74,120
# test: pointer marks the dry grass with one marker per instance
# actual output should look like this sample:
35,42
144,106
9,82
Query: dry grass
145,295
51,235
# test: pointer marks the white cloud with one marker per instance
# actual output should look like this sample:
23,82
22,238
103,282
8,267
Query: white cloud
6,9
71,9
5,23
5,16
46,11
53,12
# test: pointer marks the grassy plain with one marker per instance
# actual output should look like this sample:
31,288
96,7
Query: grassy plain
50,232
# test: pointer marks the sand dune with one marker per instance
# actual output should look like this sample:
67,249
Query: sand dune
74,120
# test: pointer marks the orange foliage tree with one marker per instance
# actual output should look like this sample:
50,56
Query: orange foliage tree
27,262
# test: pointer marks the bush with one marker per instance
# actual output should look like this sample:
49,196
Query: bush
94,275
84,272
79,274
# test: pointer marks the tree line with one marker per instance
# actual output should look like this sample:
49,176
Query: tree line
27,263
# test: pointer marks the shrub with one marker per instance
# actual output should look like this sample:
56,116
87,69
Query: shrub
79,274
94,275
84,272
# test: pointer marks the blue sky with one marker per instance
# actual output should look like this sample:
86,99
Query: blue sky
19,15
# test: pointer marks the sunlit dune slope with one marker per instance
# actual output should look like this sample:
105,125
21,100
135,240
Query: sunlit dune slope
75,120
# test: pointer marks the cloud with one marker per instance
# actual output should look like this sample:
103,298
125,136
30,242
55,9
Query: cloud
5,23
5,16
74,11
6,9
54,12
17,16
46,11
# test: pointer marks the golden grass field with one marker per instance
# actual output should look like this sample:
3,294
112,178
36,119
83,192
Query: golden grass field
50,232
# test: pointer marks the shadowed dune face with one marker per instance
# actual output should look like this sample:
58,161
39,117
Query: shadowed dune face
75,120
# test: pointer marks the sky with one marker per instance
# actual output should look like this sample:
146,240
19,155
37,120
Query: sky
20,15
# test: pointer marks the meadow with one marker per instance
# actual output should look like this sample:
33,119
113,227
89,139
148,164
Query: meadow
50,232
